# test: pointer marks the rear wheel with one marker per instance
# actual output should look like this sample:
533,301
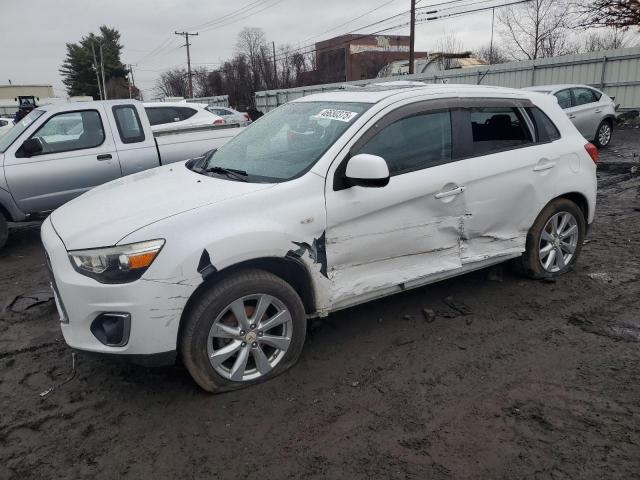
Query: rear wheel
4,230
555,240
246,329
603,134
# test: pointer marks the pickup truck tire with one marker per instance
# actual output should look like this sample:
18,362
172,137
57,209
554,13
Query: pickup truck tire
4,230
245,329
555,240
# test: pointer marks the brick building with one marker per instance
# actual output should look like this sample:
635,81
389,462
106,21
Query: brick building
357,57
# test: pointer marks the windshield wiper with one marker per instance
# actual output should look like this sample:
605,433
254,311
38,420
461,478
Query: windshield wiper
230,172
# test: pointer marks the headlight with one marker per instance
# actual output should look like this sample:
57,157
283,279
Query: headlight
121,264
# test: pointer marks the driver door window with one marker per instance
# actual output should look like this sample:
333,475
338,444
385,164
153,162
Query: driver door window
71,131
413,143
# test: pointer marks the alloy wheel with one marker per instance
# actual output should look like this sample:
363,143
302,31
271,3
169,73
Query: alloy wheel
249,337
604,134
558,241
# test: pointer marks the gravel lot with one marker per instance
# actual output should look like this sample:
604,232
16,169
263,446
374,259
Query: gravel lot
537,380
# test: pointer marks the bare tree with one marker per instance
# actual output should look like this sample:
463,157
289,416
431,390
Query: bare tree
492,55
609,13
536,29
251,43
448,43
173,83
300,66
609,39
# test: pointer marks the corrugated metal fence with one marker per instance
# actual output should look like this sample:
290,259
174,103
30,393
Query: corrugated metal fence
616,72
218,101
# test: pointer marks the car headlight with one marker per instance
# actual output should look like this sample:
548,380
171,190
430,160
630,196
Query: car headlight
120,264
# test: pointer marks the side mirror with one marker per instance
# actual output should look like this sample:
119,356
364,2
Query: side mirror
365,170
31,147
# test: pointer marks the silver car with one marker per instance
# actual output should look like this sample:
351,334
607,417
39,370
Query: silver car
591,111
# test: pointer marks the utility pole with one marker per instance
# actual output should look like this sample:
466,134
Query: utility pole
95,67
104,86
412,39
493,15
187,44
275,68
133,82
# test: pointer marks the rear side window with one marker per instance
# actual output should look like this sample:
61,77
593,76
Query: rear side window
128,123
564,98
160,115
498,128
546,131
186,112
413,143
583,96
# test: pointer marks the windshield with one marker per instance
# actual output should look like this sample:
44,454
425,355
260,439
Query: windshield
287,141
18,128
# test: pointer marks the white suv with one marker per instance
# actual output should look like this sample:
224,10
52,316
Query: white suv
329,201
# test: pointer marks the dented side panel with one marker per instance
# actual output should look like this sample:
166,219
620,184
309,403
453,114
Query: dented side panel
380,237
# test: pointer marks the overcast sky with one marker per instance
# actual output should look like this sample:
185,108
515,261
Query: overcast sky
34,32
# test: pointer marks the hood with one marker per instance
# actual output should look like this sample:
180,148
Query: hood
106,214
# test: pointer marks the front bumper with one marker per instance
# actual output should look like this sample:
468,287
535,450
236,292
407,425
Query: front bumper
155,307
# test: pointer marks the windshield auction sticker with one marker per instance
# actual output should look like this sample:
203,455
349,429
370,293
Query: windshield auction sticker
340,115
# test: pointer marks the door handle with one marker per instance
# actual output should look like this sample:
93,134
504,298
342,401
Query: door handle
599,110
571,115
104,156
450,193
544,166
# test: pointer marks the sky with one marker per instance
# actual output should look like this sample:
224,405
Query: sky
34,32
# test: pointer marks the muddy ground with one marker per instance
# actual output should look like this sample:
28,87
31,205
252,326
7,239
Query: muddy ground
537,381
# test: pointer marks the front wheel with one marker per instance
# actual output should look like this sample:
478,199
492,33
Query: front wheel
555,240
603,134
248,328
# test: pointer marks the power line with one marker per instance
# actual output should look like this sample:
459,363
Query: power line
224,17
241,16
350,21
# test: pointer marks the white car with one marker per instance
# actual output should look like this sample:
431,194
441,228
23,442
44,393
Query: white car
222,259
591,111
230,115
6,124
172,115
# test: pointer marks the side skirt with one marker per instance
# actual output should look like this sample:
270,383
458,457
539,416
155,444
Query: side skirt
419,282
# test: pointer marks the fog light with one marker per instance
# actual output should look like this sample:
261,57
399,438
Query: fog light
112,329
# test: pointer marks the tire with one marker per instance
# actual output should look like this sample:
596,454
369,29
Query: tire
603,134
539,249
4,231
216,306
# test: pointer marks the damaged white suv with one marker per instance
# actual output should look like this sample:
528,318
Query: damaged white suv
326,202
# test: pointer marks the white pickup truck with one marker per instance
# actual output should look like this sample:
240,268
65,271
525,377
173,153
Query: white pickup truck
58,152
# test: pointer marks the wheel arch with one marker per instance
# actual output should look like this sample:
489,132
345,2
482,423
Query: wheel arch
579,199
292,271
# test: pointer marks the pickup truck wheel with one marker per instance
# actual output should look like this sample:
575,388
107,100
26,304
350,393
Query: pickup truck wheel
555,240
247,328
4,230
603,134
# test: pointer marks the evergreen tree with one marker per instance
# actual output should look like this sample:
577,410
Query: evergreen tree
77,70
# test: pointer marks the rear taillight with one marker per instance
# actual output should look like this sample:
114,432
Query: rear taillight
247,117
218,122
592,150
